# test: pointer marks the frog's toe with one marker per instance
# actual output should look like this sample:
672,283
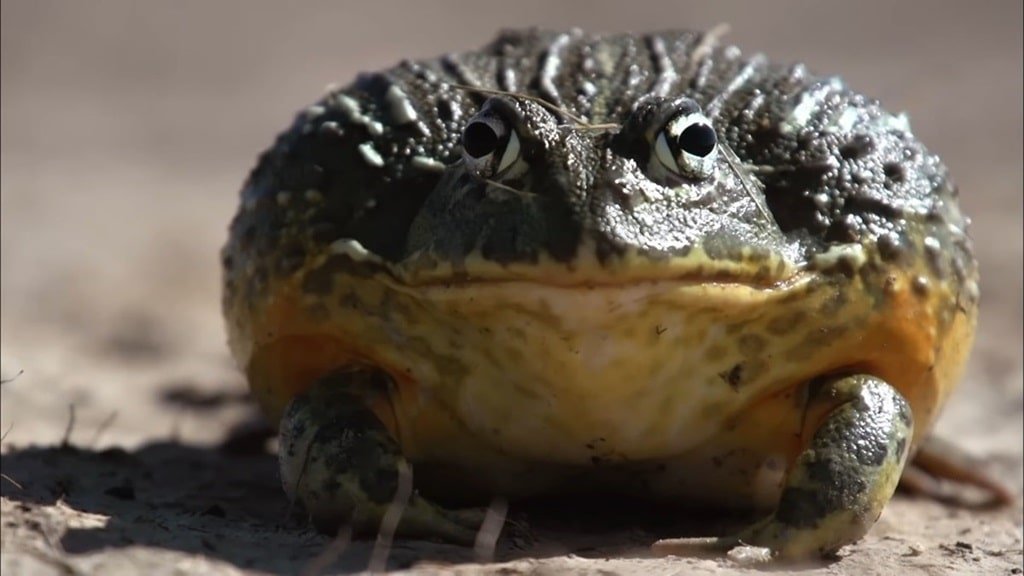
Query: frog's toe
428,520
943,471
840,482
341,464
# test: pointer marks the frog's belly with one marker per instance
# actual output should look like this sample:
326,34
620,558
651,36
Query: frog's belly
564,376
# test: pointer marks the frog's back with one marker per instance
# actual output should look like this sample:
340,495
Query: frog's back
360,163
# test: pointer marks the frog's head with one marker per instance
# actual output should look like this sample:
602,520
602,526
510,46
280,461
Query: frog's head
538,194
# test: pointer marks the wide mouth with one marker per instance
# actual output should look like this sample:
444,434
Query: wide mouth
753,269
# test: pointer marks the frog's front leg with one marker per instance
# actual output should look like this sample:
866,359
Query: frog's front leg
860,430
340,462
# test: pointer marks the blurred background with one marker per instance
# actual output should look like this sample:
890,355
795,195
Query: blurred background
127,130
128,127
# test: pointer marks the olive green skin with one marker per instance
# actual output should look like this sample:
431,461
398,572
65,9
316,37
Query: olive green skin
584,319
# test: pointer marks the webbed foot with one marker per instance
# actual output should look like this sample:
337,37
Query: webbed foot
942,471
860,430
338,460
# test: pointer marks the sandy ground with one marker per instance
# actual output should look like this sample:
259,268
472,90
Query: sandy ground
126,131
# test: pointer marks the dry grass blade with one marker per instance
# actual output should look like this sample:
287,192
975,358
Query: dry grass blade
388,525
522,193
65,442
733,161
298,481
330,553
490,530
5,476
536,99
12,481
12,378
580,123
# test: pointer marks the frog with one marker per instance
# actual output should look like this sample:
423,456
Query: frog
626,265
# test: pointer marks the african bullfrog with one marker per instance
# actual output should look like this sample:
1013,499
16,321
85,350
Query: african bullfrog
644,265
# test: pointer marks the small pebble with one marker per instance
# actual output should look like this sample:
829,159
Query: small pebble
749,555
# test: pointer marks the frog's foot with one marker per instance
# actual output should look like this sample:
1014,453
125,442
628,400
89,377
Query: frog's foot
860,430
939,460
340,462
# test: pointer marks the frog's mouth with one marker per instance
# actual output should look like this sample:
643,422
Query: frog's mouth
752,267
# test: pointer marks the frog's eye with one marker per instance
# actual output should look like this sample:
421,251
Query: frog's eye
688,145
489,146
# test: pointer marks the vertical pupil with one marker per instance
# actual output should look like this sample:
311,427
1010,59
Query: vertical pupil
479,139
697,139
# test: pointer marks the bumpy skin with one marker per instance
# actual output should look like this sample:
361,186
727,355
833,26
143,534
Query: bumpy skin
840,483
587,317
346,467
